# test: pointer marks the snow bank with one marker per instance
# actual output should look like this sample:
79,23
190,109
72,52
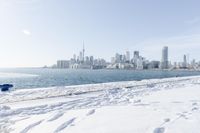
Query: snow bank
52,92
149,106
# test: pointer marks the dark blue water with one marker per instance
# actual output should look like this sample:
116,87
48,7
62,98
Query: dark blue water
65,77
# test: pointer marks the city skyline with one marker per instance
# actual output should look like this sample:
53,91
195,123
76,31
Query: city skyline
39,32
126,60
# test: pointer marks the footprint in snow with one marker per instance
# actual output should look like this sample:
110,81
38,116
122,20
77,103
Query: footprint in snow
90,112
65,125
194,109
137,101
166,120
159,130
183,115
55,117
194,104
25,130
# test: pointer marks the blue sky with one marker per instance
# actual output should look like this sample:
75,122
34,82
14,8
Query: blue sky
38,32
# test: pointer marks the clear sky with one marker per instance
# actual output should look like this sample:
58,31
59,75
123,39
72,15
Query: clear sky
38,32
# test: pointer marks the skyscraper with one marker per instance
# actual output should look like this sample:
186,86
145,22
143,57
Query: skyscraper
62,64
91,60
164,60
136,54
83,52
117,58
74,57
81,56
184,61
136,58
127,56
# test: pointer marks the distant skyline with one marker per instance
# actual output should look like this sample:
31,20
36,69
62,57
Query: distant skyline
34,33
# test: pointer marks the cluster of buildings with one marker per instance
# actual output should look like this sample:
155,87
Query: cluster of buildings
185,64
125,61
82,62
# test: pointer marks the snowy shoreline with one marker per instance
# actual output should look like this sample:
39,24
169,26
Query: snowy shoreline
53,92
154,105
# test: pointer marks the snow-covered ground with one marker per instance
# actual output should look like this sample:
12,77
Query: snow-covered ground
169,105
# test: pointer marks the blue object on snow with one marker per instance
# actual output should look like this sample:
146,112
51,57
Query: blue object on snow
6,87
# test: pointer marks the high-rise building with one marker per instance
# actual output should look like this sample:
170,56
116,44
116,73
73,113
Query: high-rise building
135,57
83,52
62,64
117,58
91,60
139,64
184,61
87,60
121,58
127,56
136,54
80,56
113,60
74,57
164,60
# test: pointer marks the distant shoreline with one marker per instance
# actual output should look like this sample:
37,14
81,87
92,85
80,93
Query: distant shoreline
99,69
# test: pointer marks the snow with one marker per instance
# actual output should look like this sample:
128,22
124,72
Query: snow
170,105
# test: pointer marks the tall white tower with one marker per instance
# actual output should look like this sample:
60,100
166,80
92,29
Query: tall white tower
127,56
164,61
184,61
83,51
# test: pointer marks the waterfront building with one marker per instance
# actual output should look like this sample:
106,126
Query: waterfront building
87,60
83,52
91,60
127,56
136,54
153,65
117,58
139,64
193,63
112,60
136,57
175,65
63,64
74,57
80,56
164,61
123,59
184,61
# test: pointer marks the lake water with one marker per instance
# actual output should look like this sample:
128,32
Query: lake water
37,78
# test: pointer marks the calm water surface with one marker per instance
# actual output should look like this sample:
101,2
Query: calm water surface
65,77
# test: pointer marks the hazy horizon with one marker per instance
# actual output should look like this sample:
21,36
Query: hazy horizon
35,33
